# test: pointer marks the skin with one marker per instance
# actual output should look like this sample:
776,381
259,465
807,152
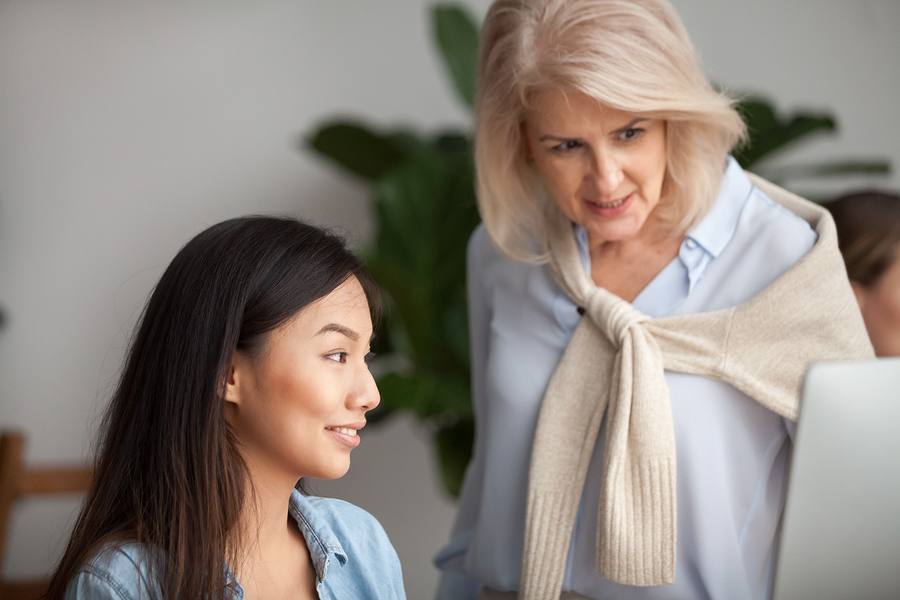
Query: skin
880,307
591,157
283,404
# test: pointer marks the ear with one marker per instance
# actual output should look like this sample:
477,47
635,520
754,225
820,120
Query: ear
237,379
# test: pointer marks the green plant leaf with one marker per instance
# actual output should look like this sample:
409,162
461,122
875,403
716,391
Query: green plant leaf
360,150
454,449
769,133
426,211
438,397
456,34
758,113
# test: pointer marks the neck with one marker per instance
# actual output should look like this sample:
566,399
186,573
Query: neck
267,531
654,235
625,267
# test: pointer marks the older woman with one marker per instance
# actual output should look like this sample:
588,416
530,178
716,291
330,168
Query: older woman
640,307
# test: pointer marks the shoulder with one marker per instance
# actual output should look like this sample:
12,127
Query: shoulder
118,571
483,259
760,241
350,523
480,241
367,559
481,249
341,513
764,217
768,240
488,267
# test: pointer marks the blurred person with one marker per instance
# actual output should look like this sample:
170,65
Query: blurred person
247,372
640,307
868,226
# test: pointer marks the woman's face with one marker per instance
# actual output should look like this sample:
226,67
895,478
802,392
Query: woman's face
604,167
296,405
880,306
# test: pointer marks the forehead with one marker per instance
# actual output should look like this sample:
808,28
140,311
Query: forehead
346,305
549,108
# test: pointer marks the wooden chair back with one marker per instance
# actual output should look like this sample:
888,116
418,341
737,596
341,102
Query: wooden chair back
17,483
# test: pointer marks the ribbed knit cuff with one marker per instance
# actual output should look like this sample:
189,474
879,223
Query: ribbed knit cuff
636,525
549,520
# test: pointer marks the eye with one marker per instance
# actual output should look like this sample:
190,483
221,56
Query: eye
630,134
338,357
566,146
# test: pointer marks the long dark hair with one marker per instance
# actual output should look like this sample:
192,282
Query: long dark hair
167,471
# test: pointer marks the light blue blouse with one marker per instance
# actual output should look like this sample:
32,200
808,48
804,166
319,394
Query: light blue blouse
732,453
351,553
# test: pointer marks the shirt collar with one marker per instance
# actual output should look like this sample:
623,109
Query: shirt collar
320,538
716,229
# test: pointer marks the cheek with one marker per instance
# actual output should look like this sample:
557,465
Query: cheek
889,306
285,418
653,166
297,396
562,179
648,163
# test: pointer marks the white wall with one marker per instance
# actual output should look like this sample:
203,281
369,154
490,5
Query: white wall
127,127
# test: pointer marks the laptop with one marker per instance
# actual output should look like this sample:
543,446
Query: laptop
840,536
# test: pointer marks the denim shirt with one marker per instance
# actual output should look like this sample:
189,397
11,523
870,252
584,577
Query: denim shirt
351,553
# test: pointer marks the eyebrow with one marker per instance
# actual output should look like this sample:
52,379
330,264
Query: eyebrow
336,328
557,138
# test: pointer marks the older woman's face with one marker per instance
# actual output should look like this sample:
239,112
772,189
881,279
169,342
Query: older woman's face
604,167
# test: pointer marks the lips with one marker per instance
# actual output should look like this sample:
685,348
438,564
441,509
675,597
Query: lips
613,204
612,208
348,434
347,428
344,430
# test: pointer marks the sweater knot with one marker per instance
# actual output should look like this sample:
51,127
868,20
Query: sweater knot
612,315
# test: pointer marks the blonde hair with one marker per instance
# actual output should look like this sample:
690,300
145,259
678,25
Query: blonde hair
632,55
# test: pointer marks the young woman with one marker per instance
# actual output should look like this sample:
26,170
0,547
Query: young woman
247,373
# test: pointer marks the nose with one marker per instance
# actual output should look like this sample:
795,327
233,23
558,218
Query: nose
365,395
606,173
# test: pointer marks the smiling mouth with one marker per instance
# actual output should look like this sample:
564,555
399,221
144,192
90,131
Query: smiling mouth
613,204
344,430
346,436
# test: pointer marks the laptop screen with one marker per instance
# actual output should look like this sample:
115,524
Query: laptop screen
840,533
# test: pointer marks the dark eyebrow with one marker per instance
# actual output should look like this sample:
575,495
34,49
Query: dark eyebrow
334,327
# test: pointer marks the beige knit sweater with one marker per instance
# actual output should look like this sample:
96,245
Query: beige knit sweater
613,368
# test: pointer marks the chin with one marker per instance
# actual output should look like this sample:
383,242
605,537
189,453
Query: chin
618,229
611,231
334,470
